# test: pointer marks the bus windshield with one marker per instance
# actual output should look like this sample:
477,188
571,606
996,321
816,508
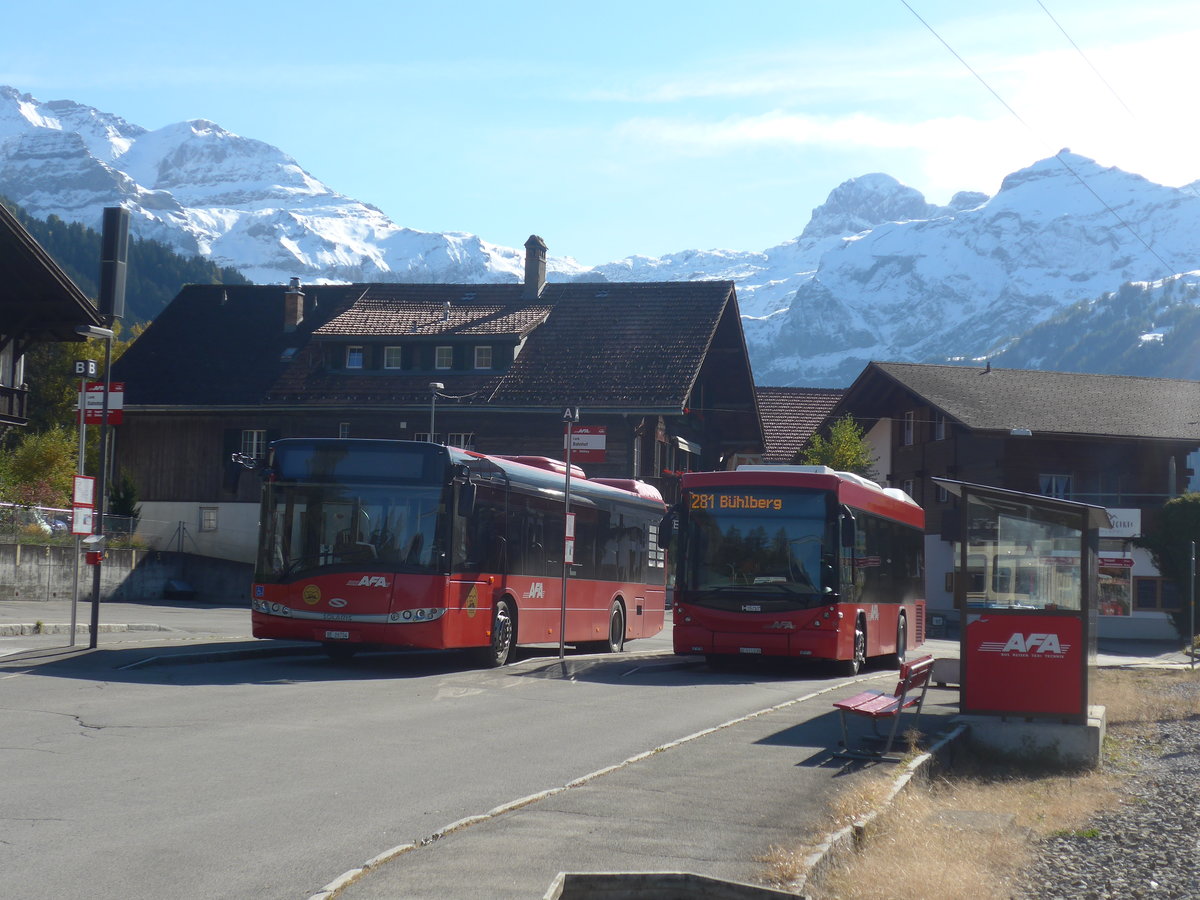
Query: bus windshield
768,541
313,526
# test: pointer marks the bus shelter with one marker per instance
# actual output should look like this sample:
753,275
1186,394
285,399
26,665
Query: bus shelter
1026,584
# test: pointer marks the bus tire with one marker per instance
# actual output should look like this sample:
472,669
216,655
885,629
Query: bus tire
504,636
851,666
616,628
897,659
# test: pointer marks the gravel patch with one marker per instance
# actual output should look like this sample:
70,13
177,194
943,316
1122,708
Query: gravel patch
1148,846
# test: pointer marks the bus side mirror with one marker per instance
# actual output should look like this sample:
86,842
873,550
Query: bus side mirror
667,526
466,499
847,523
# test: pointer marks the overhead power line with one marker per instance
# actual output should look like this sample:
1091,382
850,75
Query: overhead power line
1168,269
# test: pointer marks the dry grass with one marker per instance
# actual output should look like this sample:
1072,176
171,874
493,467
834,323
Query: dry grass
968,833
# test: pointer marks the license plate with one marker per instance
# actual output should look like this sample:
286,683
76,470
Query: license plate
337,635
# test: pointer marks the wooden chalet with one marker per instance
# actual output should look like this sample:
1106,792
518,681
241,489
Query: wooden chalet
38,303
658,370
1128,444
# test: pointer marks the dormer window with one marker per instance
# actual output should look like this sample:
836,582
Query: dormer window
483,357
354,357
391,357
443,357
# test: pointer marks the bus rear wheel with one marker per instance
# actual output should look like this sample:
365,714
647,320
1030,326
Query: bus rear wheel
504,636
616,629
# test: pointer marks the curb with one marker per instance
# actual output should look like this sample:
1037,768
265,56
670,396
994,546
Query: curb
847,839
14,630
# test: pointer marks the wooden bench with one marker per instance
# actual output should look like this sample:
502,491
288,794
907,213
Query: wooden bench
876,705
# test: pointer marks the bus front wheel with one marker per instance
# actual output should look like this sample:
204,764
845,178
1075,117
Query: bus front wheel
898,658
504,636
855,662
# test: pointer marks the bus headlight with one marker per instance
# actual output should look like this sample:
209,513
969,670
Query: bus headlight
422,614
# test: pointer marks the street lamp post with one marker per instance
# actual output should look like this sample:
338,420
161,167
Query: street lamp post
434,387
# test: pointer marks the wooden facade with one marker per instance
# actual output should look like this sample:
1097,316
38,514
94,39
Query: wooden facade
662,367
1123,443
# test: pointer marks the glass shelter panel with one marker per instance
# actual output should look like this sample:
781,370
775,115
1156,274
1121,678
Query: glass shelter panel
1019,557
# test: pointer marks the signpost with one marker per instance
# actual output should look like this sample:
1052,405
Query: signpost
570,417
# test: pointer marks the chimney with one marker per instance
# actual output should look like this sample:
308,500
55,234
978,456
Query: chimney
293,306
535,267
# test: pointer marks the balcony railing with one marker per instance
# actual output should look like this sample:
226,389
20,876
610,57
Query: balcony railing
13,405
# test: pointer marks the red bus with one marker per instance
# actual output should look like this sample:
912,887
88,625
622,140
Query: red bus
399,543
798,561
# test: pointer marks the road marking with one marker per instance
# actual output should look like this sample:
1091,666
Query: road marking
352,875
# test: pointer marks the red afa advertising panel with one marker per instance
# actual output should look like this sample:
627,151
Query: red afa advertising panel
1024,664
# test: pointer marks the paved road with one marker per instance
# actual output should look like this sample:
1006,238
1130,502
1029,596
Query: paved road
182,763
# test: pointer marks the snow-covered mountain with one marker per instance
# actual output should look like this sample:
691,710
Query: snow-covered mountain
876,273
240,202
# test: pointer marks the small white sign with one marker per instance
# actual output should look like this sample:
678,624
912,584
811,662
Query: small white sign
85,491
81,520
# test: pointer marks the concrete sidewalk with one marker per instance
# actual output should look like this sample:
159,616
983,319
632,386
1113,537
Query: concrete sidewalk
714,804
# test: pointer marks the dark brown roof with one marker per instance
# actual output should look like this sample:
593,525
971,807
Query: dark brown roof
415,310
1064,403
598,345
618,345
790,415
37,299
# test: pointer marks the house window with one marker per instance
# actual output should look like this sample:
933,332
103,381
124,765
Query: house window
254,443
443,357
939,427
208,518
463,439
906,433
942,495
1155,593
354,357
425,437
343,429
909,487
483,357
391,357
1058,486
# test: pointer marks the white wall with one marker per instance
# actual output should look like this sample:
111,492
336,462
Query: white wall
176,526
880,440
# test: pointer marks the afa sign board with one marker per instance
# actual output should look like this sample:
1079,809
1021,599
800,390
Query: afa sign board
588,443
1024,664
93,403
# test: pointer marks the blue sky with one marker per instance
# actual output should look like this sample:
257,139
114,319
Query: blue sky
636,128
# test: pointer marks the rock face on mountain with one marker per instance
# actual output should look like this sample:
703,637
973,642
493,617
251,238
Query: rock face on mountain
964,283
876,273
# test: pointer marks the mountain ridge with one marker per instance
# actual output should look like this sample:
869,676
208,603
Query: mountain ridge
877,272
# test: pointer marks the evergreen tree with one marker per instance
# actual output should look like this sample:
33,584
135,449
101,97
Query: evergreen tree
1169,541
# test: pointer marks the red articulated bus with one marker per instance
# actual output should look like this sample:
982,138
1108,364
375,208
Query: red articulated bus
798,561
399,543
